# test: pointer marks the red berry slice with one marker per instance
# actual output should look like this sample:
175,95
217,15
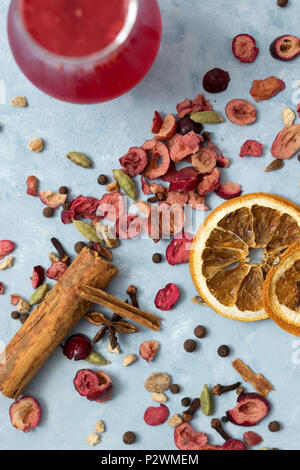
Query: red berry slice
25,413
135,161
285,48
244,48
156,123
205,160
154,416
128,226
168,128
251,148
187,439
209,183
241,112
252,438
233,444
251,408
178,251
38,277
6,247
228,190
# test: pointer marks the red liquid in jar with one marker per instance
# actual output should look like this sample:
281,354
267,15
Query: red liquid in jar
60,45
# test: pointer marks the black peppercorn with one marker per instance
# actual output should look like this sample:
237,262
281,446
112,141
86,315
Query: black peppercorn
223,350
102,179
200,331
15,315
157,258
129,437
185,402
48,212
190,345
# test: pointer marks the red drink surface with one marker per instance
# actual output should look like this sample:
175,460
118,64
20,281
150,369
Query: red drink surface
74,28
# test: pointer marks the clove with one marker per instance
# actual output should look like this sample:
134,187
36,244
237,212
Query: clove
63,256
220,389
188,414
132,291
217,425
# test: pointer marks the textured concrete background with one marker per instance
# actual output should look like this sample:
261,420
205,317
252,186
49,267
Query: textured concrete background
197,36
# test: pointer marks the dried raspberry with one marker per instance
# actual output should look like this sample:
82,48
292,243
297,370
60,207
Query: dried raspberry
251,148
154,416
216,81
148,350
228,190
166,298
135,161
6,247
156,123
38,277
56,270
252,439
32,184
178,250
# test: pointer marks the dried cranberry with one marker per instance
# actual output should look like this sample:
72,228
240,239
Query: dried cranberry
135,161
128,226
204,161
6,247
244,48
241,112
84,206
25,413
285,48
32,184
187,439
160,159
95,386
184,145
186,125
154,416
38,277
156,123
168,128
209,183
145,186
251,408
251,148
166,298
252,438
77,347
216,81
228,190
193,106
178,250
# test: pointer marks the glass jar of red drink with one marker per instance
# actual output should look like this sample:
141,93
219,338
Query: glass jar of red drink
84,51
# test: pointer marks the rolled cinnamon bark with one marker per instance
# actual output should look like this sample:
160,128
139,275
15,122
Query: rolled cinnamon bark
51,322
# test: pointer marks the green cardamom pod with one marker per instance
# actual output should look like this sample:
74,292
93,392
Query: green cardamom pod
126,183
206,117
39,294
80,159
207,404
97,359
87,231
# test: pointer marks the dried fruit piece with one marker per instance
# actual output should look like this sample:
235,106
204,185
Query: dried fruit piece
19,101
111,206
186,125
222,161
216,80
6,247
260,383
156,123
184,180
178,250
32,184
135,161
38,277
171,218
187,439
197,202
175,197
99,427
14,299
148,350
244,48
168,128
25,413
193,106
36,145
80,159
228,190
251,408
166,298
233,444
267,88
77,347
128,226
159,397
285,48
207,117
160,159
275,165
95,386
129,359
93,439
56,270
157,382
7,263
204,161
287,142
209,183
251,148
241,112
175,421
51,199
145,186
288,117
154,416
84,207
2,289
252,438
184,145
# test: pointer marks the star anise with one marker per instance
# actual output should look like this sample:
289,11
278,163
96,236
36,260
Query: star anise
112,326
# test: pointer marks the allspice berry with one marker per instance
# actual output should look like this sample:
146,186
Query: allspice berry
129,438
157,258
102,179
223,351
63,190
174,389
190,345
48,212
185,402
274,426
282,3
200,331
15,315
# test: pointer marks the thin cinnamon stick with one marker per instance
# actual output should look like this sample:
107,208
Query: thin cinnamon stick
259,382
123,309
51,322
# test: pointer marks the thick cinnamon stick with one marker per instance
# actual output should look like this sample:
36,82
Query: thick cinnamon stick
123,309
51,322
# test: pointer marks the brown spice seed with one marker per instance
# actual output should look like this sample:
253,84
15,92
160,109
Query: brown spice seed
282,3
102,179
23,317
174,389
186,417
185,402
275,165
63,190
48,212
129,438
200,331
223,351
224,419
15,315
274,426
157,258
190,345
79,246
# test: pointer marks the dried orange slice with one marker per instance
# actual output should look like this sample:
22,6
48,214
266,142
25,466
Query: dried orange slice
220,259
282,291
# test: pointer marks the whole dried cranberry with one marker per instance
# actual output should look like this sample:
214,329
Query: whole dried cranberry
77,347
186,125
216,81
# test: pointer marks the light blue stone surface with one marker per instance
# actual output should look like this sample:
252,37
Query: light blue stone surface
197,36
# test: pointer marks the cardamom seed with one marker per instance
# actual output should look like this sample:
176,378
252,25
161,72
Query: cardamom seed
80,159
126,183
275,165
206,117
207,405
39,294
97,359
87,231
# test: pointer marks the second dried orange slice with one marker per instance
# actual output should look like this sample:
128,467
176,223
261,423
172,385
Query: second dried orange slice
221,256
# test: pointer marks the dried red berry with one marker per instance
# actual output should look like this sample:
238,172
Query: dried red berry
205,160
186,179
6,247
285,47
166,298
154,416
209,183
1,289
252,439
184,145
148,350
77,347
216,81
25,413
168,128
14,299
251,148
95,386
38,277
251,408
32,184
228,190
193,106
244,48
135,161
156,123
56,270
145,186
178,250
233,444
160,159
241,112
187,439
51,199
84,207
128,226
111,206
287,142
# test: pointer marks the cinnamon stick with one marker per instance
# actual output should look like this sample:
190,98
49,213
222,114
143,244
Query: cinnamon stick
259,382
51,322
123,309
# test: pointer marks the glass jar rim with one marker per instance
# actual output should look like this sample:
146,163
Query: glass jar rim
95,56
